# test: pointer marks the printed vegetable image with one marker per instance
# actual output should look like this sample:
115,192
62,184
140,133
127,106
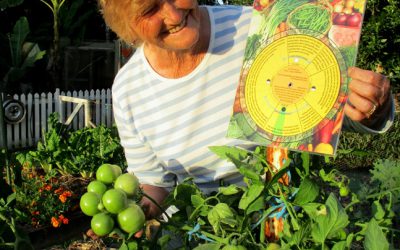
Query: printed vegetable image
277,14
316,17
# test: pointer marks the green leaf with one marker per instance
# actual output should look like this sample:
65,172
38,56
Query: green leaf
32,54
330,221
341,245
221,213
250,195
229,152
308,192
306,162
375,239
257,205
10,3
377,210
197,200
229,190
17,38
163,241
300,235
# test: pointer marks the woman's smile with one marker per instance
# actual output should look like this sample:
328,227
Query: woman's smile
179,26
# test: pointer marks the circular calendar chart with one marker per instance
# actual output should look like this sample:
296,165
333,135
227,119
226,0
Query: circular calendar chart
292,85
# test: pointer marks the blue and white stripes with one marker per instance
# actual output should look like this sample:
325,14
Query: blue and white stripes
167,125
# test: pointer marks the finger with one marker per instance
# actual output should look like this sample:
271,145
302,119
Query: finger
353,113
366,90
361,103
366,76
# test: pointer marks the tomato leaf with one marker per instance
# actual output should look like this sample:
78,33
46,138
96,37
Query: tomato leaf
308,192
341,245
197,200
229,190
250,195
330,221
221,213
229,152
374,237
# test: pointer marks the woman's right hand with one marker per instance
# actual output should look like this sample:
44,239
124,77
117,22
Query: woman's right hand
158,194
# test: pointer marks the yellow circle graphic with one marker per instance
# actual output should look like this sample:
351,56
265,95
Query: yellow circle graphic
292,85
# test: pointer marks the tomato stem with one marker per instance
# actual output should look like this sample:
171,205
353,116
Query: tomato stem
372,196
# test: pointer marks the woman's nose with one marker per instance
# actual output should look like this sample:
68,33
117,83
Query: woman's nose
171,12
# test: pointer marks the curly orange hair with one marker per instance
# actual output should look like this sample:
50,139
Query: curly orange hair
119,15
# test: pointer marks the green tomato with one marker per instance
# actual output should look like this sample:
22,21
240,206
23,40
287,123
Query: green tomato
107,173
273,246
89,203
102,224
131,219
114,200
97,187
129,183
117,170
344,191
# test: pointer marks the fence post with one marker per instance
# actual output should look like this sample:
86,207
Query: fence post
3,134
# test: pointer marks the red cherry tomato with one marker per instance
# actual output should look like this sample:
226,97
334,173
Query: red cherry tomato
354,19
340,19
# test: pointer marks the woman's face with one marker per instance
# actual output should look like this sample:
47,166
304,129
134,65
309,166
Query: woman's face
168,24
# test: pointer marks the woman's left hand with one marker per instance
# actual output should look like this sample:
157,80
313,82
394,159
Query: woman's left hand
369,95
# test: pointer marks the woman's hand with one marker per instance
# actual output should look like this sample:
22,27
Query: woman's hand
158,194
369,96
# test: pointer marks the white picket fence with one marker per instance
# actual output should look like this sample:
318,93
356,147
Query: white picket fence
39,106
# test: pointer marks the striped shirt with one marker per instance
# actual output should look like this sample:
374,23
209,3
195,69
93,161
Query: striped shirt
167,125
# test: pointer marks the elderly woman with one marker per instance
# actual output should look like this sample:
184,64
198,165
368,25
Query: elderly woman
174,97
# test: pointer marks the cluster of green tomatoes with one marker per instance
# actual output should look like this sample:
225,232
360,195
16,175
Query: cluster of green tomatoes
110,199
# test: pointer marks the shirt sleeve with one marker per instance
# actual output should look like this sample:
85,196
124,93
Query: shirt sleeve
141,159
352,126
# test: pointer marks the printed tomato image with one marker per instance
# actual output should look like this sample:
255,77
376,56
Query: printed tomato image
127,182
114,200
102,224
89,203
108,173
131,219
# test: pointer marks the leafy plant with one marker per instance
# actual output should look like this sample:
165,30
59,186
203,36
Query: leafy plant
23,54
11,237
305,213
75,152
